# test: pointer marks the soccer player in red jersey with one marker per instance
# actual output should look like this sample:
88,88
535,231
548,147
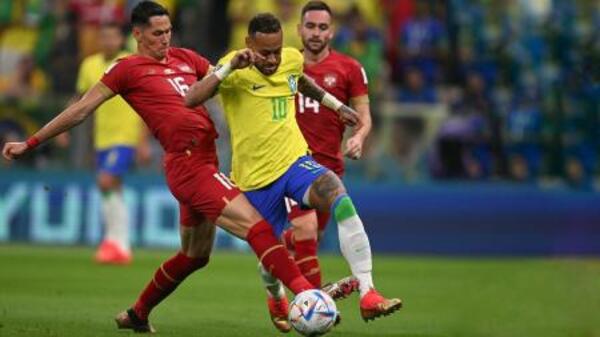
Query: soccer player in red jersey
154,82
344,78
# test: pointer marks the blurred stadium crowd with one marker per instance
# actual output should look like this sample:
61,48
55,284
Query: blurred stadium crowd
460,89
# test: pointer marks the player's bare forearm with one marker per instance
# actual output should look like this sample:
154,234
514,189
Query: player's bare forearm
309,88
202,90
75,113
70,117
364,114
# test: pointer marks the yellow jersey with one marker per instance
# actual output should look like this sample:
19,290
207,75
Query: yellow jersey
261,114
115,121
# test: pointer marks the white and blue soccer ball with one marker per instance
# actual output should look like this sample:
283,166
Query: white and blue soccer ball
312,313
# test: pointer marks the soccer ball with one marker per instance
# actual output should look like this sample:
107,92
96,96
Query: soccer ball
312,313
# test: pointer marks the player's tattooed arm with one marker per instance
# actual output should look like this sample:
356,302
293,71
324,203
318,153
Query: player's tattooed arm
309,88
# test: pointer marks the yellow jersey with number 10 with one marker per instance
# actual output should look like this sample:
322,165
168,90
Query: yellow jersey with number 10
261,114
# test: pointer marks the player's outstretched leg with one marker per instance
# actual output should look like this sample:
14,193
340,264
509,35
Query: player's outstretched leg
166,279
197,237
328,192
356,249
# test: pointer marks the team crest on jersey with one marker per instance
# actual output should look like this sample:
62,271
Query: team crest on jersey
330,80
293,84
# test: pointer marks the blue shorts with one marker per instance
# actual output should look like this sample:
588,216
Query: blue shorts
115,160
269,200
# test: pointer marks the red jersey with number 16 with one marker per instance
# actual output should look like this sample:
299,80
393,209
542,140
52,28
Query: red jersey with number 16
344,78
156,92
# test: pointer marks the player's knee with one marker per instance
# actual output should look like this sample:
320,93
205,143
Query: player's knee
325,190
241,212
107,182
305,228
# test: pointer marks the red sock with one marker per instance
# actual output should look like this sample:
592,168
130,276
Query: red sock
307,261
275,258
166,279
288,239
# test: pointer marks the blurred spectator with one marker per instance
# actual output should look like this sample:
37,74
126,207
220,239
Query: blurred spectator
90,15
63,55
27,82
422,39
416,89
363,42
16,42
522,134
468,144
580,144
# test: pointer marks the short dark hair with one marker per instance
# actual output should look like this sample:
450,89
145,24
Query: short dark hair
142,12
316,5
264,23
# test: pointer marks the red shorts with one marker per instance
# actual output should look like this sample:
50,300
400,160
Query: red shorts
202,191
295,211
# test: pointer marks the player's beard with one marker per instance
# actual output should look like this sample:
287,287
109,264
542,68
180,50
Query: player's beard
315,46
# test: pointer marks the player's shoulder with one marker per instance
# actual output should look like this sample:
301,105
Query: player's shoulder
344,59
125,62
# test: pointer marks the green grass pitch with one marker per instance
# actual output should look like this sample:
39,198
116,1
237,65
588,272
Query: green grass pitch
58,291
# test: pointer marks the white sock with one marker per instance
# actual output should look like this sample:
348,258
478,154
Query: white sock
272,284
354,242
116,219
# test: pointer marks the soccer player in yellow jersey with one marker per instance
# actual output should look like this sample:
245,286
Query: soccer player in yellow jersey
270,156
118,131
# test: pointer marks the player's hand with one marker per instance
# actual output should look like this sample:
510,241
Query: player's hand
14,150
348,115
244,58
354,147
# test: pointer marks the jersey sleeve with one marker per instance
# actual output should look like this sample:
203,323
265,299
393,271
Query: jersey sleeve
83,81
115,77
358,80
200,64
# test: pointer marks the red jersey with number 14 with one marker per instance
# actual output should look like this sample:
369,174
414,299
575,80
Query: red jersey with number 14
344,78
156,92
